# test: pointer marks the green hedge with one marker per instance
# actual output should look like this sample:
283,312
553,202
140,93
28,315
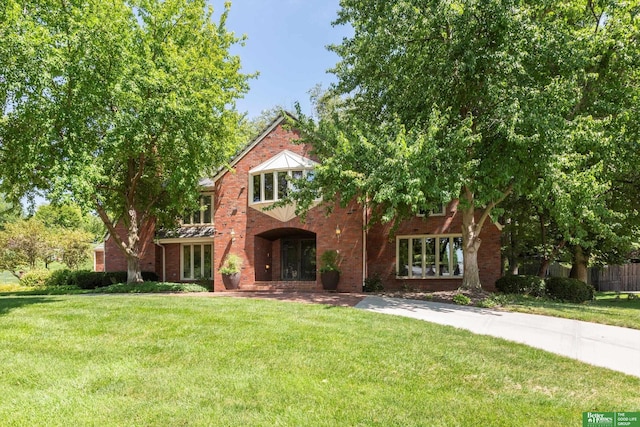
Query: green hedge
85,279
570,290
525,285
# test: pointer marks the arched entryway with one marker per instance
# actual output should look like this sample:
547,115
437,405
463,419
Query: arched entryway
285,255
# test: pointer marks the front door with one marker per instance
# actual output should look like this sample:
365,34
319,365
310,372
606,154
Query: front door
298,259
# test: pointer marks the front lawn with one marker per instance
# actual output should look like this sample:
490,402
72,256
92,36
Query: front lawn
608,308
166,360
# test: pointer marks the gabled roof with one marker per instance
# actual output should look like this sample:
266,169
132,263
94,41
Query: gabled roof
286,160
255,141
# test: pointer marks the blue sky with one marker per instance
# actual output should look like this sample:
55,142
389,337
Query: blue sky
287,45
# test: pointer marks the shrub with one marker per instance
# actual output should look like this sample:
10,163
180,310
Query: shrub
59,279
525,285
461,299
35,278
85,279
570,290
151,287
373,284
89,280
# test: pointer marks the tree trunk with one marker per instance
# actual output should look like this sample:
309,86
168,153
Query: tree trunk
470,245
579,264
544,266
134,275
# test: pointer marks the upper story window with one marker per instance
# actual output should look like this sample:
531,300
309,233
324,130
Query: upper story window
438,211
276,185
202,215
274,179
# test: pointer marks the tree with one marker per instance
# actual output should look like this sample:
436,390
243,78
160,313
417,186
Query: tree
468,100
121,105
441,100
69,216
22,244
74,247
589,192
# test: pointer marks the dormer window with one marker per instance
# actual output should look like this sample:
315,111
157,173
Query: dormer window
202,215
274,179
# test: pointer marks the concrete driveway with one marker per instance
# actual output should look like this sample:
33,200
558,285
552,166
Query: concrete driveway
600,345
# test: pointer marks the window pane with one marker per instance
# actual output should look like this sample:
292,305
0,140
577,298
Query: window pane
197,215
416,254
256,188
444,251
403,257
207,262
430,256
268,186
186,219
197,261
458,261
206,202
282,185
186,261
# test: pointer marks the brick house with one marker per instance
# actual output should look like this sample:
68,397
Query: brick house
282,252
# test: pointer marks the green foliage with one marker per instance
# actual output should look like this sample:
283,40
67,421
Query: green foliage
487,303
75,247
23,243
461,299
330,261
150,287
35,278
69,216
232,264
373,284
525,285
570,290
121,106
85,279
59,279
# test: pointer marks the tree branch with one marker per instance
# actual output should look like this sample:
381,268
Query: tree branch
492,205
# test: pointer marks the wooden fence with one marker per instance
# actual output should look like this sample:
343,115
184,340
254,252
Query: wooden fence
620,278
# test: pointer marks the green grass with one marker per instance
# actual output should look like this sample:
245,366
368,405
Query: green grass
163,360
608,308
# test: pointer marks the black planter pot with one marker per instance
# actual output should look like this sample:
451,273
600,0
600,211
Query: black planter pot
330,280
231,281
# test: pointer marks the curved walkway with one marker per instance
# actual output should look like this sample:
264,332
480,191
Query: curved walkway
600,345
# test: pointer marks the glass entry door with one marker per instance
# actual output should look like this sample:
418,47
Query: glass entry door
298,259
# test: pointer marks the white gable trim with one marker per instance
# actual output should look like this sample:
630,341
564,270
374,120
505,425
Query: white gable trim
277,121
285,160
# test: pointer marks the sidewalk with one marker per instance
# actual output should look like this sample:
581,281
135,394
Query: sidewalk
600,345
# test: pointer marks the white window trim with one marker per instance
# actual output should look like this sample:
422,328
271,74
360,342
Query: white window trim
437,238
442,212
191,268
276,195
201,223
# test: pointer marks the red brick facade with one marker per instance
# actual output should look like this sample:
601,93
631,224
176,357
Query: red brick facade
262,241
381,251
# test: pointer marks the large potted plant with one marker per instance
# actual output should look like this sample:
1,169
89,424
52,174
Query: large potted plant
329,270
230,271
